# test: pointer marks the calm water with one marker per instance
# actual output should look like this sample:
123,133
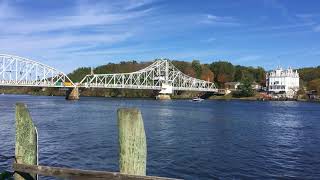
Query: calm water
206,140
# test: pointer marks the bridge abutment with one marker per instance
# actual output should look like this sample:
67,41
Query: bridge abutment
72,94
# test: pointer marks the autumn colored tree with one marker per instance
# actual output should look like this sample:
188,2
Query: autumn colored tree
223,70
314,85
190,72
206,73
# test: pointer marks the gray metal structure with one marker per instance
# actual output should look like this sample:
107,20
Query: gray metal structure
18,71
161,75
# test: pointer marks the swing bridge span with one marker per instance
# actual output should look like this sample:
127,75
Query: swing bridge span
161,75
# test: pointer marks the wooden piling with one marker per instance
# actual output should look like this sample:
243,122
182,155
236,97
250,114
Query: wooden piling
132,142
132,151
26,147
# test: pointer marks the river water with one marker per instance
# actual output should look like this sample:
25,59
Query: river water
190,140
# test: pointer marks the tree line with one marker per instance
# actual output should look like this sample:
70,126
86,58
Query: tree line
310,78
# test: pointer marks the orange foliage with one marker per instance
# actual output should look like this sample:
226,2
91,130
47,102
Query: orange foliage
222,78
190,72
207,74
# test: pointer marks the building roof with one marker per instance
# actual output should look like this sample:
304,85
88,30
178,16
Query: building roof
232,83
279,72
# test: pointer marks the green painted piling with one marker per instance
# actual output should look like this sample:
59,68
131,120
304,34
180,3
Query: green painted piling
132,142
26,147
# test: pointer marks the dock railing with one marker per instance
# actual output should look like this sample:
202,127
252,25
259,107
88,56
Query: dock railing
132,151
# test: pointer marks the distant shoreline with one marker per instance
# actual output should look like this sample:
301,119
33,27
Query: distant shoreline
212,98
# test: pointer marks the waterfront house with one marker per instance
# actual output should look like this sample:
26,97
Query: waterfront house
232,86
283,82
256,86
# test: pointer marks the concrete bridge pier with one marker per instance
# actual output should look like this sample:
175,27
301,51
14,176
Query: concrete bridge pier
166,90
72,94
163,97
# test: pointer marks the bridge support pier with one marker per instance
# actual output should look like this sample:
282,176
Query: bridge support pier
163,97
72,94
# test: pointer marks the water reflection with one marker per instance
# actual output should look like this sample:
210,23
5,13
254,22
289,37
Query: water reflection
285,136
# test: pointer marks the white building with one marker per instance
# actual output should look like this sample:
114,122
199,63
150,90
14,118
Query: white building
283,82
232,86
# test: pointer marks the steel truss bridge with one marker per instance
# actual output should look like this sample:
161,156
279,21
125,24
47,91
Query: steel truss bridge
161,75
18,71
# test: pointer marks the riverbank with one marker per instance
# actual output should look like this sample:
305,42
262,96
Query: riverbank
257,97
115,93
230,97
121,93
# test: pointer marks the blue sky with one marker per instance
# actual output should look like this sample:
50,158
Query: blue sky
68,34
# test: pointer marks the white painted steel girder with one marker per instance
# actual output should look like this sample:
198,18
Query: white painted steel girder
18,71
152,77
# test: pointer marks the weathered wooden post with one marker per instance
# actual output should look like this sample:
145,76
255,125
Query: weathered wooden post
132,142
26,148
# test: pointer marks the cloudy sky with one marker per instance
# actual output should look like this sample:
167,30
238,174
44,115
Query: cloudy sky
68,34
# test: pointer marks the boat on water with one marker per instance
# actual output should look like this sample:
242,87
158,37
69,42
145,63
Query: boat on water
197,99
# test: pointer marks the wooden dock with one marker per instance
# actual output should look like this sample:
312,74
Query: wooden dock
78,174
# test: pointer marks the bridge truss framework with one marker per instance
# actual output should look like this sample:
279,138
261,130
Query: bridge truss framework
18,71
161,75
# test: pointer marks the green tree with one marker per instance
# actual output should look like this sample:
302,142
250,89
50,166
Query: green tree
224,72
78,74
196,66
254,74
260,75
309,74
245,89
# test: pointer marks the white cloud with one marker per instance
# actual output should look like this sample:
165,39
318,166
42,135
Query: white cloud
133,4
211,39
6,11
316,28
304,16
85,15
58,41
248,58
54,32
219,20
86,25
